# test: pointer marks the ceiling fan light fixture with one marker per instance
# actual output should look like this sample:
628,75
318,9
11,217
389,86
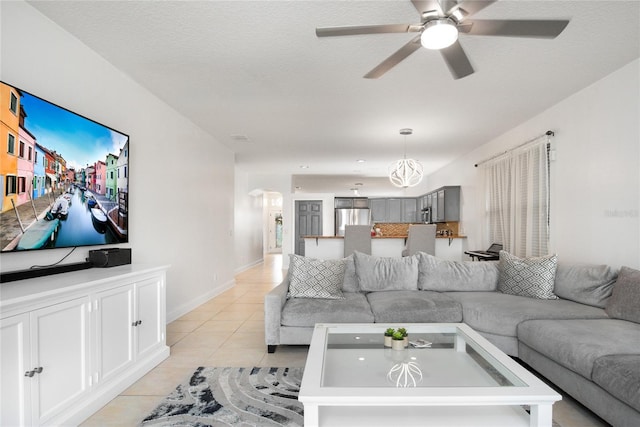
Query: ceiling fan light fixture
439,33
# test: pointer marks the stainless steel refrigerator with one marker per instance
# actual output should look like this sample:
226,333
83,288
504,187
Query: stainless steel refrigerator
351,217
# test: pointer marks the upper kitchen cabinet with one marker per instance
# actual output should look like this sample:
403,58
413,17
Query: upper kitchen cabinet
351,202
445,204
393,210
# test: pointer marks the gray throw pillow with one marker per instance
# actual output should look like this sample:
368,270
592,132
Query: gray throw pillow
386,274
315,278
528,277
589,284
350,283
441,275
625,300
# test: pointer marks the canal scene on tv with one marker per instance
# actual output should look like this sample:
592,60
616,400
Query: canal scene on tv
65,178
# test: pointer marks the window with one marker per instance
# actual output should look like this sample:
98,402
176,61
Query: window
35,158
30,156
21,149
10,187
11,144
125,171
13,103
22,184
517,200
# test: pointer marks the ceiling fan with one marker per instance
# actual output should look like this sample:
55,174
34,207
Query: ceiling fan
441,22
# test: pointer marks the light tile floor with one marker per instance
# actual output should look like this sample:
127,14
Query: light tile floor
229,331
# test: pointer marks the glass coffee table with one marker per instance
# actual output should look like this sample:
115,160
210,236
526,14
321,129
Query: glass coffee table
456,378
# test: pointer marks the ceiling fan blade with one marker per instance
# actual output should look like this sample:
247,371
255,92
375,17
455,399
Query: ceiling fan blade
457,60
474,6
362,29
427,6
394,59
546,29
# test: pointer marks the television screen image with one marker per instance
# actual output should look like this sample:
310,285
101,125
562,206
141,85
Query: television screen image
64,177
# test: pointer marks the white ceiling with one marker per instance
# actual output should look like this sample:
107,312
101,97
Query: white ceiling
255,76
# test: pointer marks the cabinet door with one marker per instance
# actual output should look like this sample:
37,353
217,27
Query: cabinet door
434,207
149,315
395,210
15,387
378,210
61,351
441,205
114,332
343,203
361,203
409,210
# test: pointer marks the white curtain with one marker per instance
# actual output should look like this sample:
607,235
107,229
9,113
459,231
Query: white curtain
517,196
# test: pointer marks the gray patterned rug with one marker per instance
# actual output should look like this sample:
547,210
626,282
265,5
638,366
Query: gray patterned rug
244,397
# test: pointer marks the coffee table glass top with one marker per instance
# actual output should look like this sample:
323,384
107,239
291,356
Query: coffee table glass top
356,357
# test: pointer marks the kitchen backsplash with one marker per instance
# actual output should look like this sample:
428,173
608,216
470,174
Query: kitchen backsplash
402,229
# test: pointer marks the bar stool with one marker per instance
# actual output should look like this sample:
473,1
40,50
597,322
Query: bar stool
357,238
421,238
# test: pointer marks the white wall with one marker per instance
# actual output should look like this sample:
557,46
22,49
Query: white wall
181,182
595,177
248,223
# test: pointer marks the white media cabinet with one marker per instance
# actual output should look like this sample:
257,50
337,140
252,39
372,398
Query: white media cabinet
71,342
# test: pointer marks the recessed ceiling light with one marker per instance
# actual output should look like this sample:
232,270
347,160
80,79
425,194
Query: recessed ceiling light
358,183
361,160
304,166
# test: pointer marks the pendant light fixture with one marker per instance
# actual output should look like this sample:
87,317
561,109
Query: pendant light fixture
405,172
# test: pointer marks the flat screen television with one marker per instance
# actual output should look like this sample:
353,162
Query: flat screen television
64,177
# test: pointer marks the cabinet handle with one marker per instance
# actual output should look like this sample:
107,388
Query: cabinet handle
137,323
29,374
38,370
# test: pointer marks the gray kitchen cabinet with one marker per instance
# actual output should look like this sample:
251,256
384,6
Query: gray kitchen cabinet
394,210
445,204
401,209
378,210
409,210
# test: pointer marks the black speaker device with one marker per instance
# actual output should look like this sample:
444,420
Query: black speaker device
111,257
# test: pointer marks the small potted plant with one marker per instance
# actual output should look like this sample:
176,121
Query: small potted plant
397,342
405,336
388,335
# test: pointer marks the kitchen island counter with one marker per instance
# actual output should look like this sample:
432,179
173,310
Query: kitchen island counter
332,247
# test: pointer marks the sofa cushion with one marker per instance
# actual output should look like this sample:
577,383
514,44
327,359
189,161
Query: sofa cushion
386,274
306,312
437,274
414,307
577,343
528,277
585,283
500,314
625,299
619,374
315,278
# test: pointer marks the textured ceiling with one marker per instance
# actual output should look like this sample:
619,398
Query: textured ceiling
255,76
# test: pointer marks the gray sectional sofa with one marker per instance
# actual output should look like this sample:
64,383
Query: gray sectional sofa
576,324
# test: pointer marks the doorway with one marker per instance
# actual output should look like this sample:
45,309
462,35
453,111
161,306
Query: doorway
308,218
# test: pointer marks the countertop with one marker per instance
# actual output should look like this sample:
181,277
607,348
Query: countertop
384,237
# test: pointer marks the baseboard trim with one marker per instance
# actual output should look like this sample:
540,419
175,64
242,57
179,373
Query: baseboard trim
248,266
190,305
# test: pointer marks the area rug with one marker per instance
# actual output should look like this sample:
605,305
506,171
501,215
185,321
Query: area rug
243,397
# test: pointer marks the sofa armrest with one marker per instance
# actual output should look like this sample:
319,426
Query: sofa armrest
274,301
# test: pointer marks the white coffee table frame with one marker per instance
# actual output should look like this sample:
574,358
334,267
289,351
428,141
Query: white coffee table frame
474,406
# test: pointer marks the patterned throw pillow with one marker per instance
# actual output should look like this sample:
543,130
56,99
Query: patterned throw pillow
527,277
315,278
